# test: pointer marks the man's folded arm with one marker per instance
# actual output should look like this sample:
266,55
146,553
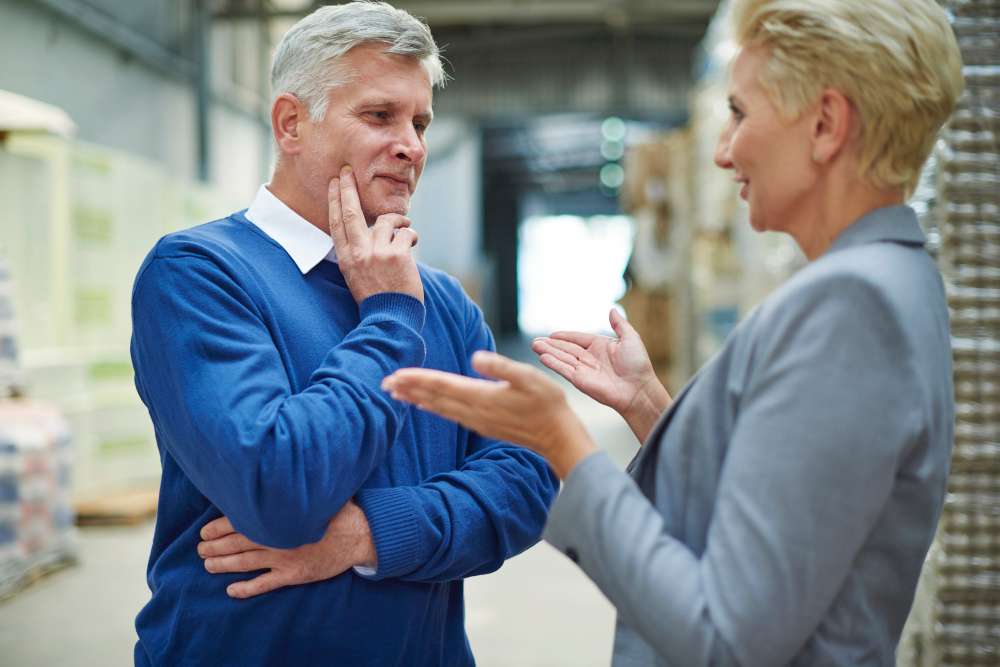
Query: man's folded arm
467,521
461,523
278,464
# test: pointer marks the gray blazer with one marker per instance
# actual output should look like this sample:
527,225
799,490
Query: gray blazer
781,509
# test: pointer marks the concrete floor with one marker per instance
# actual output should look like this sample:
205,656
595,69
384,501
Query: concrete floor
537,611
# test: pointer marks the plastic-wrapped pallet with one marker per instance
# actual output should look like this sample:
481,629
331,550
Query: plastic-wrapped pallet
36,515
966,611
11,379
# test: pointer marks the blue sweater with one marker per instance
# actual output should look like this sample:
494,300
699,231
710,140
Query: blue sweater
263,387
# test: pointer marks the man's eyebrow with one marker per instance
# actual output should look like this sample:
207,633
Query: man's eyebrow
385,103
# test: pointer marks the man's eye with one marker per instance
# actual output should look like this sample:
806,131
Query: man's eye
379,115
420,127
737,114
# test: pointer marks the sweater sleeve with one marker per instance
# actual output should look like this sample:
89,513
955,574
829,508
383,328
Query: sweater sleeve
828,414
467,521
278,464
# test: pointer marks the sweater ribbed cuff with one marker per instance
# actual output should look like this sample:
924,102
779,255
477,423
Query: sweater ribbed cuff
394,305
394,529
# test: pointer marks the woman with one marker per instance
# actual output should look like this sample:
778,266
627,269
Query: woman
782,505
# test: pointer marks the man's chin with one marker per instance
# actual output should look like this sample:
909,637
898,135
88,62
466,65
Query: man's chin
386,208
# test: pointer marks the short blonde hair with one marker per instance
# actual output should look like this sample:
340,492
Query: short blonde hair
897,62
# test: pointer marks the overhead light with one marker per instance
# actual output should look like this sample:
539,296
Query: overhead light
612,176
613,129
612,150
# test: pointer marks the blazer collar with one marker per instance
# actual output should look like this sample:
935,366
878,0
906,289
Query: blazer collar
896,224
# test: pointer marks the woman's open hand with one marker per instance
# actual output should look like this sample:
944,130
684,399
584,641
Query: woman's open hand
522,407
614,371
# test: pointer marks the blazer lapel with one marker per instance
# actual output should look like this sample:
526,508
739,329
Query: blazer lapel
637,468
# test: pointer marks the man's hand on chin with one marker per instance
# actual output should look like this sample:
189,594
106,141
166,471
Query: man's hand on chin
347,543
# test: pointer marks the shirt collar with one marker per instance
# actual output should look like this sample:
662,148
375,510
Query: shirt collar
896,224
304,243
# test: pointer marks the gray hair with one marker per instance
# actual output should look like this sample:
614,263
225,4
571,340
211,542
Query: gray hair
305,62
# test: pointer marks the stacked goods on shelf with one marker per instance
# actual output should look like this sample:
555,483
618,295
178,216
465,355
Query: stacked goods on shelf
10,371
36,516
966,614
78,221
657,195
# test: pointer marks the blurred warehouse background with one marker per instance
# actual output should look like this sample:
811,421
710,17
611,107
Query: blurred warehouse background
570,169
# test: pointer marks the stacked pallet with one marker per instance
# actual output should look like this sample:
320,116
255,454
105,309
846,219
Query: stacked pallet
966,613
36,516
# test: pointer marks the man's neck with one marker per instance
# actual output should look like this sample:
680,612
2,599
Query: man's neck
289,190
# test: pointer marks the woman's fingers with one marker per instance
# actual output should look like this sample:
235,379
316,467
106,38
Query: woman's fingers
425,378
499,367
579,337
232,543
216,529
265,583
460,408
246,561
554,351
621,326
562,368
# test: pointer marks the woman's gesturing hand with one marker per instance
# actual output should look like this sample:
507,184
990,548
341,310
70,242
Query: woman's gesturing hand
523,407
614,371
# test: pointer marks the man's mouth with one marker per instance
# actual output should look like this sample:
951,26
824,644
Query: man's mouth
396,178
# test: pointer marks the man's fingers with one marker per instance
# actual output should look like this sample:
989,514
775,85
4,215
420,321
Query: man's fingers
216,529
335,216
404,237
265,583
224,546
246,561
353,218
382,231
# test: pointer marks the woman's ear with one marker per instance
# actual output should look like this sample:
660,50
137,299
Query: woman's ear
287,116
832,129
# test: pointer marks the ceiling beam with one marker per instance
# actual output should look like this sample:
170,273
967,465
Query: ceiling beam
440,13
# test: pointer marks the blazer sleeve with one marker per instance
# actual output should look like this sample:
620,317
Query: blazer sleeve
829,409
223,408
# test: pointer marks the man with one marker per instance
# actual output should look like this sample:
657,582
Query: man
260,359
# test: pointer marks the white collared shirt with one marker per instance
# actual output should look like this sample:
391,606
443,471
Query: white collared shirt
303,241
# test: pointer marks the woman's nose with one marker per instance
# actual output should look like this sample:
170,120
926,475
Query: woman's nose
721,156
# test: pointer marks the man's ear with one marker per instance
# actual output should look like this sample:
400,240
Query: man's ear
287,116
832,129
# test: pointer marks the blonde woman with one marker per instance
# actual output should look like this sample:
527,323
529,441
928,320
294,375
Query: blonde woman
781,507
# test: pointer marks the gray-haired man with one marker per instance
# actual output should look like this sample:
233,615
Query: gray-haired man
260,358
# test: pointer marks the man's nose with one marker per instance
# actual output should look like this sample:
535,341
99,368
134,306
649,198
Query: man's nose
410,146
